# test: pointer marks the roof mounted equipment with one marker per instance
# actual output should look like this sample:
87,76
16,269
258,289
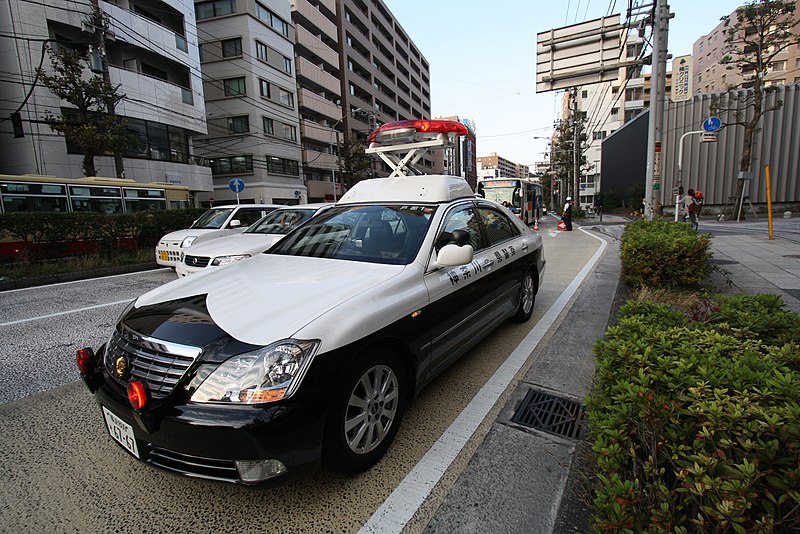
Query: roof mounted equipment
401,144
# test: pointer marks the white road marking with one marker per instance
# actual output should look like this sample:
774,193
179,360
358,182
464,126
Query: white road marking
399,508
20,321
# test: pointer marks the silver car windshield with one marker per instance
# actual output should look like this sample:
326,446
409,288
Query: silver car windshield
368,233
213,219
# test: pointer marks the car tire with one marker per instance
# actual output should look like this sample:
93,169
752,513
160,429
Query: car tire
366,412
527,296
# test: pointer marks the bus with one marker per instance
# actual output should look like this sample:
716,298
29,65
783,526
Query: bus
29,192
523,197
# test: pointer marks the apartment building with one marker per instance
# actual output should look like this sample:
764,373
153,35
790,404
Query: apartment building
356,69
248,63
495,166
461,159
151,54
712,77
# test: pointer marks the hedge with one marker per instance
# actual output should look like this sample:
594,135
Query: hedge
695,418
664,254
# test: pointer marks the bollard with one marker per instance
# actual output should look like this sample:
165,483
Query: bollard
787,214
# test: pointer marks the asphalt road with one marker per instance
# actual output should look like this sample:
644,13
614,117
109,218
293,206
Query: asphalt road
62,472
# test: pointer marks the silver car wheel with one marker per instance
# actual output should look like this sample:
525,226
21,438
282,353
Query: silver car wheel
528,293
372,409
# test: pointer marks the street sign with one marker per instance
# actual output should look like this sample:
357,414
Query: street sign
712,124
709,138
236,185
682,79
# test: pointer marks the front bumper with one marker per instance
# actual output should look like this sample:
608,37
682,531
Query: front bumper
168,254
181,269
206,440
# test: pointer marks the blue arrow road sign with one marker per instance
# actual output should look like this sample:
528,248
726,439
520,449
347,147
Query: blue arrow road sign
236,185
712,124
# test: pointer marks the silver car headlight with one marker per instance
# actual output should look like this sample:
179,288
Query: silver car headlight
187,241
225,260
268,374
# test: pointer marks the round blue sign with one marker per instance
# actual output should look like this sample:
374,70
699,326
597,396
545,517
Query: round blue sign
236,185
712,124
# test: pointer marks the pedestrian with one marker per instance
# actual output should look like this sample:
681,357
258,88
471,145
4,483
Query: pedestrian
687,201
694,209
566,215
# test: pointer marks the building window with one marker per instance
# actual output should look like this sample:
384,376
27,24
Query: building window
286,97
261,51
232,165
614,114
287,65
214,8
277,23
288,132
277,165
777,65
263,87
234,86
232,47
239,124
584,94
269,126
154,72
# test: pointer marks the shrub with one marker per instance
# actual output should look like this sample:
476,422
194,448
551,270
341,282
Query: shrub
695,418
664,254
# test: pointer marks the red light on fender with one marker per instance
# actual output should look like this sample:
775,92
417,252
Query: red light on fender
137,395
85,360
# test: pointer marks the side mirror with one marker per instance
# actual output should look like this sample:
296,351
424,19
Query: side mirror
235,223
461,237
452,255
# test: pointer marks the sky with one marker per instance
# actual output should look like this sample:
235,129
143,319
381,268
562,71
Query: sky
482,58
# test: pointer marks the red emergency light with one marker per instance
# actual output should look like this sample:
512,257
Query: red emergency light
406,130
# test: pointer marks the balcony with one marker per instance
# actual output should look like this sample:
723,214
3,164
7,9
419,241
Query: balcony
310,41
156,100
312,15
158,38
317,132
312,72
318,160
318,104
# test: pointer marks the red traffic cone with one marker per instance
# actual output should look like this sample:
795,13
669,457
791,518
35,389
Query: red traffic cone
536,224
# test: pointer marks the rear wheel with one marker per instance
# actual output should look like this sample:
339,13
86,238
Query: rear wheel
366,412
527,296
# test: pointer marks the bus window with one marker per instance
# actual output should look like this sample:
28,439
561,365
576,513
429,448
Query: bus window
94,198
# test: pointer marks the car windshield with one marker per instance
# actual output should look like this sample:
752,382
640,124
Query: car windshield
280,221
213,219
368,233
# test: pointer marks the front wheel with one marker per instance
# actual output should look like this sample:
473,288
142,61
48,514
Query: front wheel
527,296
366,412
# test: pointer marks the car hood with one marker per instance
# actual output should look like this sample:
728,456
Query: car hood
271,297
234,244
179,235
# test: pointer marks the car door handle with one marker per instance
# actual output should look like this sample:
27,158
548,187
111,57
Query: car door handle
487,263
524,247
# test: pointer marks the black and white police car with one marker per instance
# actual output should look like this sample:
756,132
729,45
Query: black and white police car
310,352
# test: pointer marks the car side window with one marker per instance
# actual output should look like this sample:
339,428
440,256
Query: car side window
497,225
464,218
248,217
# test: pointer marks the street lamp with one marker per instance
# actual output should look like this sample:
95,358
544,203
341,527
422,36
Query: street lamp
338,157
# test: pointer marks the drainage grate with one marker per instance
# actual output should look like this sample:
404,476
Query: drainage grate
793,256
722,262
543,411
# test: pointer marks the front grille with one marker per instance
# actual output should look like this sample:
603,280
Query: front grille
197,261
158,364
194,466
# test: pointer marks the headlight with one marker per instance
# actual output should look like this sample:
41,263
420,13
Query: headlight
188,241
268,374
225,260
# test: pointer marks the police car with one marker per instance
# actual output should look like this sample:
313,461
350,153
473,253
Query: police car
258,237
310,352
218,221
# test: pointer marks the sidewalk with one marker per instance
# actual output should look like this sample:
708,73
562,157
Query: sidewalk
524,480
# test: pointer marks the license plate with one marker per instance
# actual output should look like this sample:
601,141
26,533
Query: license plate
121,431
163,255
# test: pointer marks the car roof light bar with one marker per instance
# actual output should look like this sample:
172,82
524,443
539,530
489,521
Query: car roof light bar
417,136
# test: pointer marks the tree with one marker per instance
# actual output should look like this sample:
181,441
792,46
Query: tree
562,155
354,162
754,36
88,124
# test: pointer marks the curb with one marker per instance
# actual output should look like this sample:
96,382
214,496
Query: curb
35,281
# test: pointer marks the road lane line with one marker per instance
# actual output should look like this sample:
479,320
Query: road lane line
48,316
401,505
86,280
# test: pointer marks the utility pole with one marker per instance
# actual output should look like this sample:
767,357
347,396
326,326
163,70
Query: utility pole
657,93
99,64
576,148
